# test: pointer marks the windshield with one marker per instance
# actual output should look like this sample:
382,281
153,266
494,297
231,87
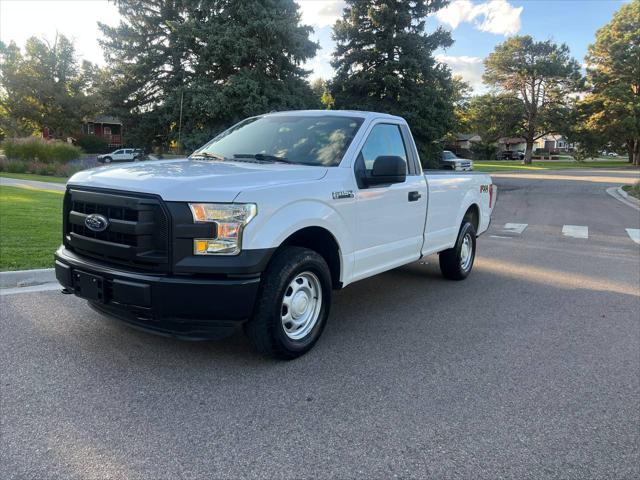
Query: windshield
305,140
447,155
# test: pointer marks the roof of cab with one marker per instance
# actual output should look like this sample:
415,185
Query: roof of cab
339,113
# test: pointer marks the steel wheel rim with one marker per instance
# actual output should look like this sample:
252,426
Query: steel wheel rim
466,252
301,305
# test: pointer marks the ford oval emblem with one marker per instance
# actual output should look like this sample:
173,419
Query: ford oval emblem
96,222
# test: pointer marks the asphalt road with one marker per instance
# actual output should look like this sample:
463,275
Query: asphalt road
528,369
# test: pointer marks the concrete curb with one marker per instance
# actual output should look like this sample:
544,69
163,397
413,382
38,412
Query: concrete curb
631,198
624,197
27,278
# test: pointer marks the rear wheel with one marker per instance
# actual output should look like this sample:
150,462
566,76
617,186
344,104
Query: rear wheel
293,304
456,263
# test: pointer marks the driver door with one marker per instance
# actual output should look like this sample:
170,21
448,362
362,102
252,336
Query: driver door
390,218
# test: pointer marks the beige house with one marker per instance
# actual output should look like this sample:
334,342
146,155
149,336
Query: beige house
553,142
511,143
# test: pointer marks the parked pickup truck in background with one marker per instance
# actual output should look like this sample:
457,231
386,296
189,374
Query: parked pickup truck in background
259,225
450,161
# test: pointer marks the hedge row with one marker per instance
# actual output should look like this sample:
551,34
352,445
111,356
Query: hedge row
39,168
38,149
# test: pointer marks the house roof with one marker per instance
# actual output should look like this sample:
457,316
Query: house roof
104,119
511,140
466,136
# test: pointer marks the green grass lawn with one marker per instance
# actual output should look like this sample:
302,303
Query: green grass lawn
507,165
30,227
38,178
633,190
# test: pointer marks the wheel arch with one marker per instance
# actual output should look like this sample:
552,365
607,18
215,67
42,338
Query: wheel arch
472,215
321,241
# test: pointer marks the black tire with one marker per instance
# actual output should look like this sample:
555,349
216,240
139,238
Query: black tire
265,329
451,264
106,160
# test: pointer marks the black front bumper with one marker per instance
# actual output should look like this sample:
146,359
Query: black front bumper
185,306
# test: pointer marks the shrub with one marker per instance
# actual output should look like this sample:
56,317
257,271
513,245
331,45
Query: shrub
65,169
40,168
484,151
93,144
47,151
13,166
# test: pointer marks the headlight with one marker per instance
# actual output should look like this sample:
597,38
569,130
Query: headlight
229,218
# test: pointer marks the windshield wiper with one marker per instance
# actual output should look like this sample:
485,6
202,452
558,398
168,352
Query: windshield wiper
215,156
263,157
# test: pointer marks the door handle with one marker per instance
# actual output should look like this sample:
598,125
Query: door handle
414,196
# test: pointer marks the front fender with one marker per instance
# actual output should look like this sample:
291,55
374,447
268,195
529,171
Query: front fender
271,227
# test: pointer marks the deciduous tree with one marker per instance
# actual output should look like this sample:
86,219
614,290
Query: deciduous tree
44,86
491,116
613,76
542,75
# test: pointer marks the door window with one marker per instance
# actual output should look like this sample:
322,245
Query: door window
118,152
385,139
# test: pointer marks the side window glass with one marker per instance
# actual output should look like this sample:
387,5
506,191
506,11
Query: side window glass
384,139
117,152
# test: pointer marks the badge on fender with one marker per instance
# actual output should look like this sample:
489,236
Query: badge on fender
342,194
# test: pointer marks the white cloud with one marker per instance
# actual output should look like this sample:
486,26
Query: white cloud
457,12
494,16
469,68
320,65
320,13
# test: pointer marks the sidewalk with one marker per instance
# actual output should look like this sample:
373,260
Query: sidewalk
16,182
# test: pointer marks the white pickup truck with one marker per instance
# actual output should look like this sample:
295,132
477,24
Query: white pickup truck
258,226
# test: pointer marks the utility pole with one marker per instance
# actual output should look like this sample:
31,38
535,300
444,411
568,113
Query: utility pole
180,123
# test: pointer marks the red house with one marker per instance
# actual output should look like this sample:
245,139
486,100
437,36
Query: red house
104,126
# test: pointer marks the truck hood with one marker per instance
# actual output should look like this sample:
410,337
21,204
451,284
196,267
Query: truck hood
195,180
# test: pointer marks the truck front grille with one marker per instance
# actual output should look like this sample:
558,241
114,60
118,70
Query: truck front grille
138,231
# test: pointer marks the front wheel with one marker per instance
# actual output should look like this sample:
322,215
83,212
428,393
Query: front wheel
292,305
106,160
456,263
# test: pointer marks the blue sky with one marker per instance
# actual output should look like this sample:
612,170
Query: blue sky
476,26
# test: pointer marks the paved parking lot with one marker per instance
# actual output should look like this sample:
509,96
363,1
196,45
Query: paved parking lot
528,369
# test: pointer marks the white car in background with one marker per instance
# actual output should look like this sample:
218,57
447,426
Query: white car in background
122,155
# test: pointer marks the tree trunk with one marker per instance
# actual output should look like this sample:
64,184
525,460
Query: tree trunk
636,152
630,150
528,152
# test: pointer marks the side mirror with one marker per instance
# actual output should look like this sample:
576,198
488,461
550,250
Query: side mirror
387,169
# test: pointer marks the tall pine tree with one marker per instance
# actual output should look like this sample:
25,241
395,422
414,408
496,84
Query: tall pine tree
226,59
384,62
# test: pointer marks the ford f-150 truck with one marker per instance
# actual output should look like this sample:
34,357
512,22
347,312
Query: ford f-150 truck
258,226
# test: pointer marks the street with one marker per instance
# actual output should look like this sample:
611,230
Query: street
528,369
